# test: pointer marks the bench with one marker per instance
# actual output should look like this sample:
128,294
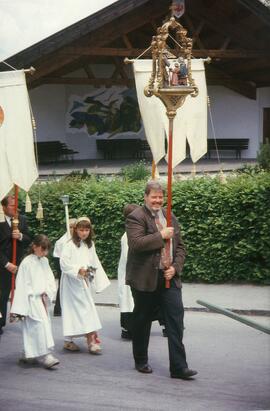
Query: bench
124,148
144,150
230,144
118,148
53,151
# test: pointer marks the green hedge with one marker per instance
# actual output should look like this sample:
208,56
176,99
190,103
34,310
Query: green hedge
226,227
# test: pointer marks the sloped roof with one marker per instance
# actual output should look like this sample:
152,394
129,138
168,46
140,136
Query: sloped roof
234,33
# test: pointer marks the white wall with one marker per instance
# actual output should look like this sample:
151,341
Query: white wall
49,107
234,116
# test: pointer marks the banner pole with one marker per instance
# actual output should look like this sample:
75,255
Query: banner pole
15,224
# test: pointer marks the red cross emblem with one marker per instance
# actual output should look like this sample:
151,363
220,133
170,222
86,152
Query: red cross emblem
1,116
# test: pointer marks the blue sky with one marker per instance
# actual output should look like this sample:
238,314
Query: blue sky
25,22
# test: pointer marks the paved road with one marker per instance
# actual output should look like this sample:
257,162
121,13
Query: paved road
243,298
232,360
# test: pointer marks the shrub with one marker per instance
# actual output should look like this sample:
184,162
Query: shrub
136,172
250,169
263,156
226,227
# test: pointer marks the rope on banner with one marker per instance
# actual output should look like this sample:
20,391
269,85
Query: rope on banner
31,70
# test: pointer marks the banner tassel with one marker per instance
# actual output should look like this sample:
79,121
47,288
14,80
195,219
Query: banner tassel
28,204
222,177
39,215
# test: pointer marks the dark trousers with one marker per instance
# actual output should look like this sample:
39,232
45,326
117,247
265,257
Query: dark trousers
145,304
126,321
57,306
5,287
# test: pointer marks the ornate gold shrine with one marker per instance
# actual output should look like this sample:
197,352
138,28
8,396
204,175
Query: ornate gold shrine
171,78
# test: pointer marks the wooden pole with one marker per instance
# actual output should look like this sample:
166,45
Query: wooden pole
169,189
154,167
169,183
15,224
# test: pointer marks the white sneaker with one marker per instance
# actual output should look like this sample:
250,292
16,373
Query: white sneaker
50,361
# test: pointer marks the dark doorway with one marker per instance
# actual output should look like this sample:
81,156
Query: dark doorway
266,125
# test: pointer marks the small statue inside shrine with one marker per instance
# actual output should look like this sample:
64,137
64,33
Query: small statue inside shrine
178,73
183,72
174,72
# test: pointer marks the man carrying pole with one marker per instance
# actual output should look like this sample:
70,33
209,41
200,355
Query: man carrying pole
9,265
148,267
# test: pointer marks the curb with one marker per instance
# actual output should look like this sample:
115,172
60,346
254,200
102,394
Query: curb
250,312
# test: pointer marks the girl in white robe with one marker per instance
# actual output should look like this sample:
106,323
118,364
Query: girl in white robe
57,254
35,288
79,314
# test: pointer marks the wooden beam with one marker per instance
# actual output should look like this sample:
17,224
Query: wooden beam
218,22
195,32
89,71
122,52
253,65
225,43
127,41
214,77
120,68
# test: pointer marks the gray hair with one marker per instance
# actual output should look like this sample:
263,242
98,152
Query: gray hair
153,185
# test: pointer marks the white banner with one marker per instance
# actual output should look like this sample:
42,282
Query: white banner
191,120
17,159
151,110
190,123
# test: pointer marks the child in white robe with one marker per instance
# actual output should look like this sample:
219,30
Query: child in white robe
35,288
79,314
57,254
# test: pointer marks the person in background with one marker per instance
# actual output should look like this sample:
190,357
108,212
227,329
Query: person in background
35,289
7,235
126,302
58,247
81,270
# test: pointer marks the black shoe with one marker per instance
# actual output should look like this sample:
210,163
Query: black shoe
126,335
144,368
184,374
164,332
1,331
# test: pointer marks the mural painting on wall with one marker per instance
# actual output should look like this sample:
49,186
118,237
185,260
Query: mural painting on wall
105,112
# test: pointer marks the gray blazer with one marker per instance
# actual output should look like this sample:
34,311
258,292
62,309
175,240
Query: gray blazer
145,244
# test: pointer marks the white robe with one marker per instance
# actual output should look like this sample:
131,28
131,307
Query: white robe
79,314
34,278
59,244
126,302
